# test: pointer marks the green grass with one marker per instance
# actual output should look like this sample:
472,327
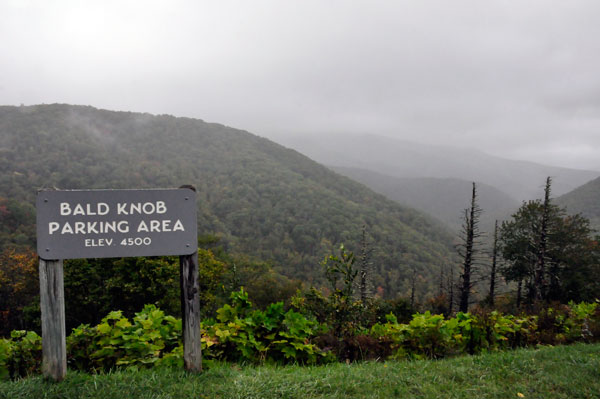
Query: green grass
559,372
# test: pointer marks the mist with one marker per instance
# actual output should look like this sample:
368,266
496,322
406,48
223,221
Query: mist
516,80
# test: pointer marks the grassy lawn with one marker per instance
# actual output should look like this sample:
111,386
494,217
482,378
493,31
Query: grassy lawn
560,372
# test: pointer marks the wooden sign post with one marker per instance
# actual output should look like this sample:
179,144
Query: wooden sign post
108,224
52,303
190,312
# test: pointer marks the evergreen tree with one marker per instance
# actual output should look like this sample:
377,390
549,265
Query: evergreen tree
553,254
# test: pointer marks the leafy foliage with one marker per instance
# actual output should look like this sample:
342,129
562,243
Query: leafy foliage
20,355
17,224
118,342
273,335
570,254
433,336
243,334
19,288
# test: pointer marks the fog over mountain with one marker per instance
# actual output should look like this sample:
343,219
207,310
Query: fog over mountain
513,79
584,200
443,198
521,180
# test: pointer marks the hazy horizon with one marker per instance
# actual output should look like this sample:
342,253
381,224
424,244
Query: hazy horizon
514,80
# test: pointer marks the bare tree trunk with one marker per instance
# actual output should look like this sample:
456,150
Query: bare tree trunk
493,271
519,288
451,291
364,266
470,227
412,288
539,285
441,285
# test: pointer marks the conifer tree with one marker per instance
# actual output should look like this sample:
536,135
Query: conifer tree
553,254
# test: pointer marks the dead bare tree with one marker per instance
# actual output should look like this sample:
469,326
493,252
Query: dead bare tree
468,251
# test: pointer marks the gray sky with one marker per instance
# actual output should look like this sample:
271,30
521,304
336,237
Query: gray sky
519,79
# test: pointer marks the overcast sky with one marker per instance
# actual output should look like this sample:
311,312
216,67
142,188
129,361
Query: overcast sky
519,79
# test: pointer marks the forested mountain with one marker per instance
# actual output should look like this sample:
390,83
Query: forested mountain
444,199
259,197
584,200
520,179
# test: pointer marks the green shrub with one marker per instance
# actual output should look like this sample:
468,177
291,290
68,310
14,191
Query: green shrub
243,334
577,325
6,348
118,342
21,355
433,336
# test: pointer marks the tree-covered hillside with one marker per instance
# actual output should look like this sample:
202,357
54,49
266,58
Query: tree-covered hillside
584,200
259,197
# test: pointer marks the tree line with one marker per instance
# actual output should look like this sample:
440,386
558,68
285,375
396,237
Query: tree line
546,253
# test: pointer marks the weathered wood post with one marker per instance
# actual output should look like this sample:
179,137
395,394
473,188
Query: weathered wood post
190,312
52,304
190,306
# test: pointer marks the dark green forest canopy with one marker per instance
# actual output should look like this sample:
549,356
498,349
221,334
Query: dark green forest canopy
262,199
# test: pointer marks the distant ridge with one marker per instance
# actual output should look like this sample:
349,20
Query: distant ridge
584,200
444,199
521,180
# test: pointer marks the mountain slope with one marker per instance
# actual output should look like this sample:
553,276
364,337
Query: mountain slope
261,198
519,179
584,200
444,199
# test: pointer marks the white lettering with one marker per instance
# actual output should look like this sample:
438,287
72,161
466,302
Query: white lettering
148,208
89,210
142,227
100,242
65,209
123,226
53,226
161,207
79,228
121,209
67,229
91,227
110,226
155,226
78,210
103,208
135,208
178,226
